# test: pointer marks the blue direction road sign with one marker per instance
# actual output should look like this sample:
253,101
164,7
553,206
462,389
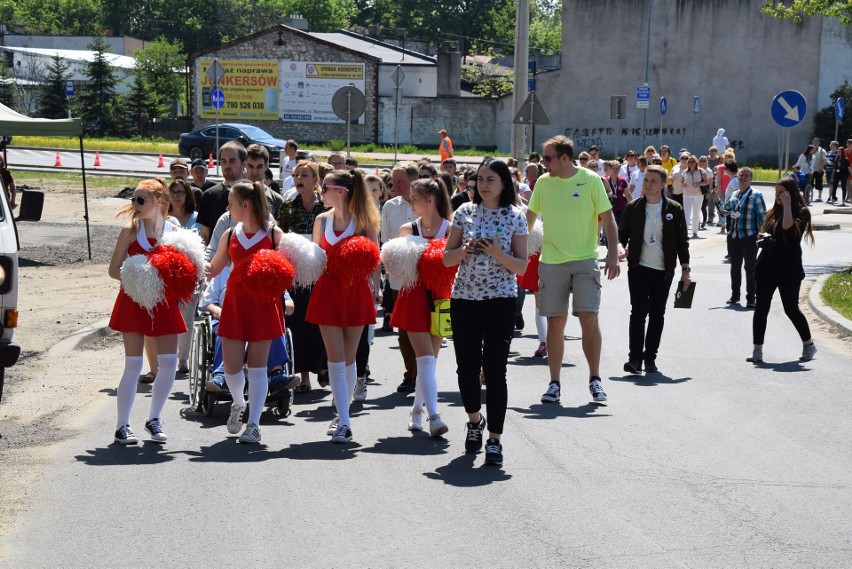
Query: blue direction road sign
69,88
217,98
696,103
664,105
788,108
839,109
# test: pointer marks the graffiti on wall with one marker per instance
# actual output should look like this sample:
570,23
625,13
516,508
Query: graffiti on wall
605,136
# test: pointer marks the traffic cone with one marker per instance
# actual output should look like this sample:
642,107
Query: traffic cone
97,159
58,163
377,170
210,164
160,164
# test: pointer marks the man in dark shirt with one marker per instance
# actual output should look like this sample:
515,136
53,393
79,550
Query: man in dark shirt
214,201
198,172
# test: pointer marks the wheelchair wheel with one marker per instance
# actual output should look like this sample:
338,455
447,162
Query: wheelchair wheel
208,404
283,410
198,356
291,363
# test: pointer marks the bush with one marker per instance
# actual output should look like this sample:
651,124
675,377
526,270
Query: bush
336,145
409,149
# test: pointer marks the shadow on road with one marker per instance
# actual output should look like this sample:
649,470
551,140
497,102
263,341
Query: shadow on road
783,367
649,379
145,452
462,473
418,444
554,411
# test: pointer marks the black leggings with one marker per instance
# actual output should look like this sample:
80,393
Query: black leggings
482,333
789,292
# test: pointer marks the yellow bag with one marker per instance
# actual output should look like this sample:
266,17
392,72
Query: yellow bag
441,324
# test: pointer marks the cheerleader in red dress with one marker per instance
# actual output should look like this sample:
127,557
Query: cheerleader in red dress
429,201
247,317
148,209
338,305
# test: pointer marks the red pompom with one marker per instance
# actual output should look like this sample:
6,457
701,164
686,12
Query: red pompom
177,271
433,274
353,259
265,275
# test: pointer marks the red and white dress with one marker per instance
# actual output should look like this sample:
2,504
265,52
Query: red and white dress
246,317
412,310
337,303
127,316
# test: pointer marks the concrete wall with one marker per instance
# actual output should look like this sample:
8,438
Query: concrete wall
420,81
725,51
296,46
835,64
469,121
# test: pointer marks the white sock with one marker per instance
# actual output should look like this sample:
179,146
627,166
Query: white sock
419,395
236,384
339,389
257,389
541,326
351,378
426,376
126,390
163,383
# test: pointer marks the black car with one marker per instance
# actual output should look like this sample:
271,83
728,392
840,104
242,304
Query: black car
200,143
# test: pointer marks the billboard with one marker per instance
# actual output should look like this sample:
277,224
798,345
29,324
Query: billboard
250,87
308,86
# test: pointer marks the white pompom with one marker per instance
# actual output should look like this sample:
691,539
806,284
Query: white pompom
141,282
190,244
307,258
400,256
536,238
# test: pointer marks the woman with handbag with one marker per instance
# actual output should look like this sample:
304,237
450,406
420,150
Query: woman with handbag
779,265
414,305
488,239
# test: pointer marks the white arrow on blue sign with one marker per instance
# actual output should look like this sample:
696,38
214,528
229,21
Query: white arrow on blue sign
217,98
663,105
839,108
788,108
696,104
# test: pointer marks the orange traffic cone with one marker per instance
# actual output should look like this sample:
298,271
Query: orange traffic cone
377,170
160,164
58,163
210,164
97,159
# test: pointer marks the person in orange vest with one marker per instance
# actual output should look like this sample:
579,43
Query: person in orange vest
445,150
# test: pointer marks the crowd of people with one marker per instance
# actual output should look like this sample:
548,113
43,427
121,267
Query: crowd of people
499,229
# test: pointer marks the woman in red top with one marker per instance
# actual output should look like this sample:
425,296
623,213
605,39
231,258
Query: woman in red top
148,210
431,204
247,318
342,309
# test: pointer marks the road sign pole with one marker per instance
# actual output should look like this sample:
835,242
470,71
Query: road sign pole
215,87
692,148
532,126
348,122
787,150
397,96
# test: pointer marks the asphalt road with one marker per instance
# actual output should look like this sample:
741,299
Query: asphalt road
712,463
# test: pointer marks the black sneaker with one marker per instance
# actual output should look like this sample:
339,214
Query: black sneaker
493,452
125,436
733,300
750,304
596,390
633,366
651,366
473,441
155,429
407,385
552,394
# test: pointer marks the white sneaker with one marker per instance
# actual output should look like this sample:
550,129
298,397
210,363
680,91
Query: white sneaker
235,419
125,436
251,434
360,389
437,426
597,391
415,421
343,434
332,427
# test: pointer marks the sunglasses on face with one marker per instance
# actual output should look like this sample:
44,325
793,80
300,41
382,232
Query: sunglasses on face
178,193
139,200
547,158
584,159
471,187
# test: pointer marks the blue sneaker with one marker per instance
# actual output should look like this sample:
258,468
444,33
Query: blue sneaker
217,384
279,381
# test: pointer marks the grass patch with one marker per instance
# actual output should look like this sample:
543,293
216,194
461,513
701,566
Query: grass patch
837,292
67,182
151,146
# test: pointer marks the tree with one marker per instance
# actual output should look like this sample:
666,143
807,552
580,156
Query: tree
7,87
795,9
824,118
487,79
157,67
52,103
96,98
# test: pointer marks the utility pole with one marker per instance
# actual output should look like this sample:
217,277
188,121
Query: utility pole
522,55
647,62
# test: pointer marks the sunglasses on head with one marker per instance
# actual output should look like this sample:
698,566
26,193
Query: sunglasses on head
327,187
139,200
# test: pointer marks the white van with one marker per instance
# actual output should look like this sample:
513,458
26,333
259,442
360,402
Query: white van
9,246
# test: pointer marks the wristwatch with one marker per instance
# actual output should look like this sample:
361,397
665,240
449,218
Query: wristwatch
686,269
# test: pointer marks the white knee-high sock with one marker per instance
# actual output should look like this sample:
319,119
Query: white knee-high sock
257,389
126,391
163,383
426,376
236,384
351,378
419,396
339,389
541,326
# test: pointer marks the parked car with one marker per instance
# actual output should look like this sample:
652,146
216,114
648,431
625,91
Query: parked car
200,143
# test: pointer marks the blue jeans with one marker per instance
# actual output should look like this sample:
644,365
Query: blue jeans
278,355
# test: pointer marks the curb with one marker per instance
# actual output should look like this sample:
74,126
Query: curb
836,321
81,337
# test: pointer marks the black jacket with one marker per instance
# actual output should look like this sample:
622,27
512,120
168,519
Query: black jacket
675,237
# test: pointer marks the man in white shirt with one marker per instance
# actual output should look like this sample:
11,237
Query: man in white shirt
629,165
637,178
594,154
288,159
395,213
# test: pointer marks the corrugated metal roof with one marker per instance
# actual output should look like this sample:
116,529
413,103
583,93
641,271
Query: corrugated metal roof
389,54
120,61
